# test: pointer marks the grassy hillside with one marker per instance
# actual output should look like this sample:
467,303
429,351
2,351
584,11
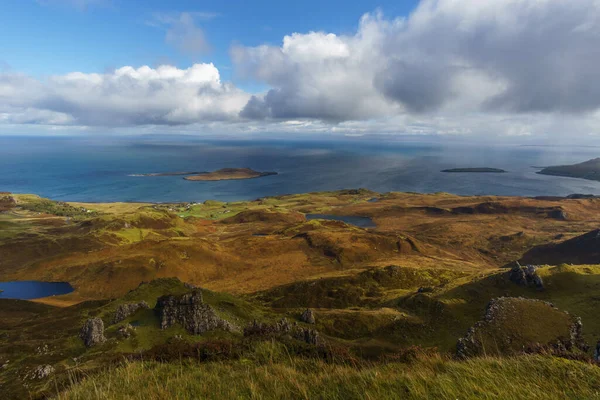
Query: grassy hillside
529,377
390,302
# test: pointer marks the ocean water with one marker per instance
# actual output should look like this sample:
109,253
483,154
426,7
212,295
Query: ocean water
98,169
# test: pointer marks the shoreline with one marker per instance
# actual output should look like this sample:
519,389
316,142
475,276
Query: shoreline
571,196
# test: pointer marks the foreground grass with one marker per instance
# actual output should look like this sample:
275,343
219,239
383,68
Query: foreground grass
526,377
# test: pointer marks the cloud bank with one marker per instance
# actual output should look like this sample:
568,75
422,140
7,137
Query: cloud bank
511,67
124,97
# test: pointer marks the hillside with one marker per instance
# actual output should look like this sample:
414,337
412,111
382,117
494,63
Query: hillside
329,303
586,170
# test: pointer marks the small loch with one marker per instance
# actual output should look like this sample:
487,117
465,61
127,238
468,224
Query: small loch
28,290
361,222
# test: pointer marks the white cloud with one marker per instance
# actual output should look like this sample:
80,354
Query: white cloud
124,97
448,59
504,67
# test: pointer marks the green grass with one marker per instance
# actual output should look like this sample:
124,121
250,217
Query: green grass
46,206
526,377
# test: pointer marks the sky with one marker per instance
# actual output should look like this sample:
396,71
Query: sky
519,69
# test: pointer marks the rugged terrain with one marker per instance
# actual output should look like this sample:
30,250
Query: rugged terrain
255,290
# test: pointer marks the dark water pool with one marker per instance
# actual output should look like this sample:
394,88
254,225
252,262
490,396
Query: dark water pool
27,290
361,222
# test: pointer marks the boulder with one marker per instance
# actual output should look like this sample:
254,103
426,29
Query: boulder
92,332
308,316
125,331
43,371
526,276
126,310
190,311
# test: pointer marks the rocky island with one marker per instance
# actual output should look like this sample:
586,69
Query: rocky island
586,170
229,174
492,170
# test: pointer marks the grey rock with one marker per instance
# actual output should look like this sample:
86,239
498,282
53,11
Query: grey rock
191,312
308,316
526,276
284,328
125,331
127,310
43,371
310,336
92,332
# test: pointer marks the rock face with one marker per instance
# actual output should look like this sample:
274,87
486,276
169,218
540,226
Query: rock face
310,336
516,325
92,332
191,312
126,310
597,352
308,316
526,276
281,328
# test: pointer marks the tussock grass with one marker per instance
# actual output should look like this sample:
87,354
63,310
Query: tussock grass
525,377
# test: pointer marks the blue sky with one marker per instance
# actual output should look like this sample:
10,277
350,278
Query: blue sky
61,36
521,69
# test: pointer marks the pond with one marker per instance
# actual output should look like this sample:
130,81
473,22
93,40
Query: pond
361,222
27,290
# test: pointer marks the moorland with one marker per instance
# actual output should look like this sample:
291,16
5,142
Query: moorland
445,296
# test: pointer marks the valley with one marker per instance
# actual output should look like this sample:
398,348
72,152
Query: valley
402,289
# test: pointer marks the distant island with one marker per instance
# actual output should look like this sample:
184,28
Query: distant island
586,170
493,170
229,174
168,173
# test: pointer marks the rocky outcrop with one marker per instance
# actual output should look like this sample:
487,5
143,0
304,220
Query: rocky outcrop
125,331
190,311
126,310
7,202
518,325
526,276
92,332
308,316
309,336
283,328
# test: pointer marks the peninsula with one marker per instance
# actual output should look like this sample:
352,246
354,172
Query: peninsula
229,174
586,170
168,173
488,170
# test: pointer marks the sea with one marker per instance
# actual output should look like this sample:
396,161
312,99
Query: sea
103,169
